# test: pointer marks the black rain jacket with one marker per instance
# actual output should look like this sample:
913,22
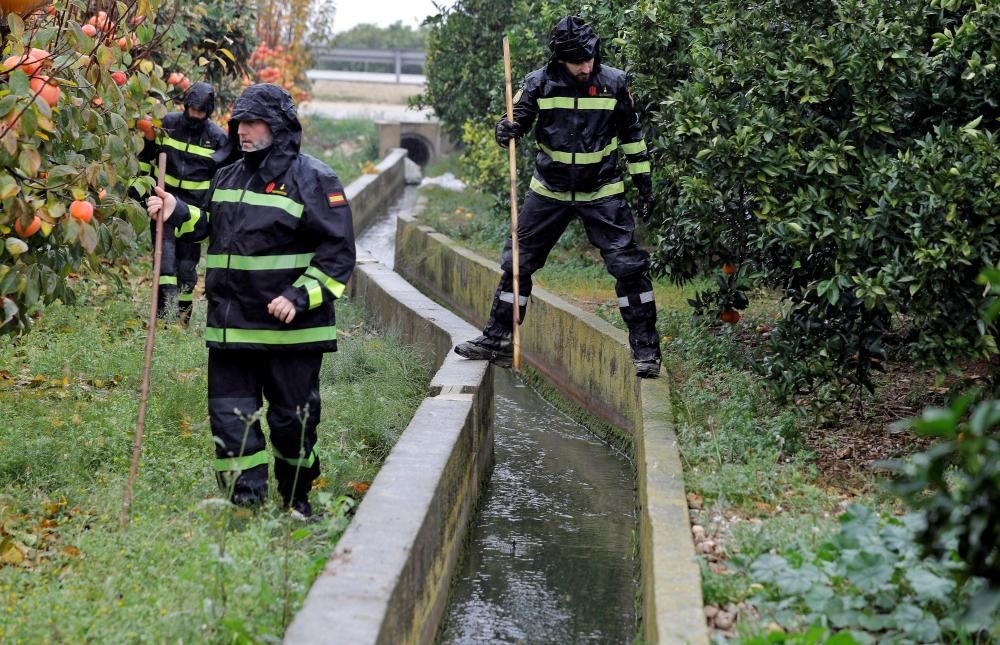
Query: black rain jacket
580,129
190,145
283,228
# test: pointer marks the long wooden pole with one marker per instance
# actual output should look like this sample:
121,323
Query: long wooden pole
148,363
512,159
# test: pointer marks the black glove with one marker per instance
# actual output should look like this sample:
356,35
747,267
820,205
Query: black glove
644,207
505,131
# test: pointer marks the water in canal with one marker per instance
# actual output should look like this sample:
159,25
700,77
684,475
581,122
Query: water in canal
550,554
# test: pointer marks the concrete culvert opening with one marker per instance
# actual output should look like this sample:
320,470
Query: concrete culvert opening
417,148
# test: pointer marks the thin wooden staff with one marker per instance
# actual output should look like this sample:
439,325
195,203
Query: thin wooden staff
150,336
512,159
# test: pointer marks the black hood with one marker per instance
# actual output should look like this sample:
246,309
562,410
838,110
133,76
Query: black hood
574,41
274,106
200,96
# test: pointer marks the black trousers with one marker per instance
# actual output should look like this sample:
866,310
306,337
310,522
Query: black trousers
178,274
238,383
610,227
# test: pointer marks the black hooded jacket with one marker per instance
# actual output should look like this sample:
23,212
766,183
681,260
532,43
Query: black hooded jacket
278,228
580,127
191,146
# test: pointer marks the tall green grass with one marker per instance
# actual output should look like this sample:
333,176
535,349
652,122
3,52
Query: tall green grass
189,568
346,145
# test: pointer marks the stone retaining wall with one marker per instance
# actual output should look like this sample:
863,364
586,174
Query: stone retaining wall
588,360
370,195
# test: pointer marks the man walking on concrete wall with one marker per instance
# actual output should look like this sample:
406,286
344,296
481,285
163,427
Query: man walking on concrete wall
585,116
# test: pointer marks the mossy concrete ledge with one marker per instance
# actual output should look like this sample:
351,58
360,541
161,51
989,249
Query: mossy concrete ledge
371,194
389,577
588,360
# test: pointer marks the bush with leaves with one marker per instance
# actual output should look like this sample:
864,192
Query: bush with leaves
870,581
843,152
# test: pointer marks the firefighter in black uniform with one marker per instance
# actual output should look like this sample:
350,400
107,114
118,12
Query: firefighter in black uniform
281,250
191,141
583,116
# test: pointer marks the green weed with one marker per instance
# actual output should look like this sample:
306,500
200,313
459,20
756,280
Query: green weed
344,144
189,568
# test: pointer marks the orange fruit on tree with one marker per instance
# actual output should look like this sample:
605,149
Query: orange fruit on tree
89,30
20,7
120,78
730,316
729,269
145,126
30,229
30,62
82,210
174,78
47,88
184,83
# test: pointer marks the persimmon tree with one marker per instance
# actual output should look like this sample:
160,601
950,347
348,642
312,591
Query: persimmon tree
81,84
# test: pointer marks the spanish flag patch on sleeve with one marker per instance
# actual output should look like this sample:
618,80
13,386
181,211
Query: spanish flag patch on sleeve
336,199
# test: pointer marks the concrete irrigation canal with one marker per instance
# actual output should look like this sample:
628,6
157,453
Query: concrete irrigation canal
497,518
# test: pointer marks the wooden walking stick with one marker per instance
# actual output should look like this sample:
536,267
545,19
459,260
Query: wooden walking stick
150,336
512,159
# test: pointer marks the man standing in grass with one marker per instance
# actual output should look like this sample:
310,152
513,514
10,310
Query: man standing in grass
191,141
281,251
584,118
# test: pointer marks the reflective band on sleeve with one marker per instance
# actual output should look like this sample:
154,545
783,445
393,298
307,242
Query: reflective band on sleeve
185,297
245,462
168,279
507,296
258,262
271,336
184,184
236,196
616,188
581,157
315,291
304,462
186,147
639,168
584,103
188,227
145,167
335,287
634,148
644,297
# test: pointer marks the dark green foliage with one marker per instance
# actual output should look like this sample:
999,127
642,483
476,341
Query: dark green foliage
843,152
207,30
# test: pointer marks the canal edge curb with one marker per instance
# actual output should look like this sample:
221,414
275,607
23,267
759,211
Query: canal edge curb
388,578
588,360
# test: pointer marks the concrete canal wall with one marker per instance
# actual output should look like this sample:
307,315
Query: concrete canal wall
389,577
588,360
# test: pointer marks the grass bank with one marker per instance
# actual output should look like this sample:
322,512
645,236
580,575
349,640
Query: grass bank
190,568
346,145
797,538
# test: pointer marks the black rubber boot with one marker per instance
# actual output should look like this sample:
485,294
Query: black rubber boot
499,351
647,368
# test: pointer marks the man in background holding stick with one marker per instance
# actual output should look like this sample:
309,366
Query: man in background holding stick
584,117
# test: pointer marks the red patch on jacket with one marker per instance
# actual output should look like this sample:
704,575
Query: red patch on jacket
336,199
592,90
270,188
